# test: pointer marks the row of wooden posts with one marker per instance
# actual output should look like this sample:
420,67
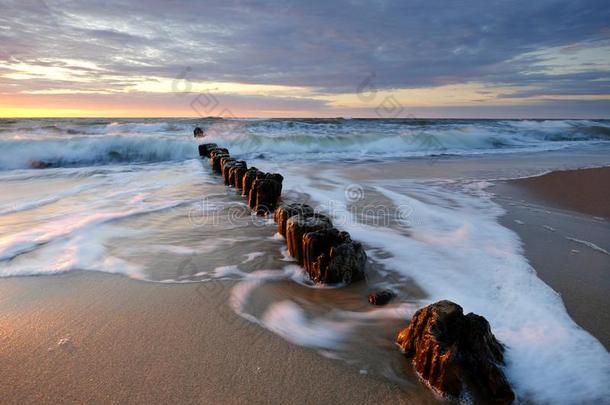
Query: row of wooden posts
448,349
328,255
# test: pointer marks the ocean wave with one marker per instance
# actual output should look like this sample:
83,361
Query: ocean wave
85,151
401,138
99,141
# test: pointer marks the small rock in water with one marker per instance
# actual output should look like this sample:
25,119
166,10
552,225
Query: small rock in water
39,164
198,133
450,349
381,297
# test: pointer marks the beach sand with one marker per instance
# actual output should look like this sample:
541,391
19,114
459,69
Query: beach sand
563,220
93,337
586,191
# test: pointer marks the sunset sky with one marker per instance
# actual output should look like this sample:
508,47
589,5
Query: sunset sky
480,58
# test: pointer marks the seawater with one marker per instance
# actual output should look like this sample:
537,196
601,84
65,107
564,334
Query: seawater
133,197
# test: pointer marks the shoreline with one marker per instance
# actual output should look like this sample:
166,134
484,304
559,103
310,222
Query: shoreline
88,336
566,239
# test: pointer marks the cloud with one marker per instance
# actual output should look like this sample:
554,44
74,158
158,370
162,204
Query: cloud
548,47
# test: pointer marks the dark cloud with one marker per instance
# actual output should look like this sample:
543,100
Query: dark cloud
329,45
577,84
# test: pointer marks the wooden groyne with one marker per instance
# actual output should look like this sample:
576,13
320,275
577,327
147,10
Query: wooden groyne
328,255
449,350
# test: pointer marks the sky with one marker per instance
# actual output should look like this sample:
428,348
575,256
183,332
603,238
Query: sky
377,58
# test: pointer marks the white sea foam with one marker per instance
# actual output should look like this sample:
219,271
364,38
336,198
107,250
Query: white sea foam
83,250
400,311
177,250
226,271
589,244
74,235
288,320
252,256
457,250
30,204
28,240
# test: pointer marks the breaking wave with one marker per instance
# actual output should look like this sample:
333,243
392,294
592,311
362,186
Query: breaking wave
81,142
19,154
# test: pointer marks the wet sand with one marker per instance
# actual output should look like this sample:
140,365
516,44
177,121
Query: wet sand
563,221
586,191
93,337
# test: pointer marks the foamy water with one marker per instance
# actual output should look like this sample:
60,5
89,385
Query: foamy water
132,197
92,142
455,249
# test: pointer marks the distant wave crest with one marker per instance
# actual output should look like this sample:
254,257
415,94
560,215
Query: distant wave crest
77,142
19,154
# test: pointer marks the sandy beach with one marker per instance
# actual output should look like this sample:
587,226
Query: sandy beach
101,338
585,191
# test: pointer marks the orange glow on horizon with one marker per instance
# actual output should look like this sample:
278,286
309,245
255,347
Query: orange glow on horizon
7,113
265,102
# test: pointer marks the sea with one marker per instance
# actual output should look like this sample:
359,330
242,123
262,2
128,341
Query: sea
133,197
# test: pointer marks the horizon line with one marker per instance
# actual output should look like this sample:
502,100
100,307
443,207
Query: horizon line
297,118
